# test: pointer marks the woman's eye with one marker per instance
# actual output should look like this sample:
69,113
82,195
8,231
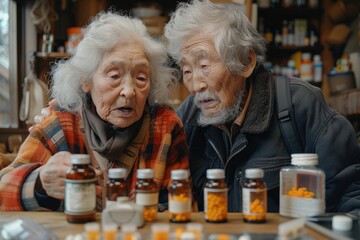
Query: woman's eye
186,72
114,74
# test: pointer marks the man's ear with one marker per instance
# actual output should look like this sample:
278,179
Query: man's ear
251,64
86,86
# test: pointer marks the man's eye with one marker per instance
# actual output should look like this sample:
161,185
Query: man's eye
204,66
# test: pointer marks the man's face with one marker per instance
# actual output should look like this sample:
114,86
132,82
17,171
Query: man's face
216,91
121,84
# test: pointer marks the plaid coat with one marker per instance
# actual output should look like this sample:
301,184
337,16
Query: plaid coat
163,149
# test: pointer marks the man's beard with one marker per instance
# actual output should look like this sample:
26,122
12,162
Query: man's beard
225,115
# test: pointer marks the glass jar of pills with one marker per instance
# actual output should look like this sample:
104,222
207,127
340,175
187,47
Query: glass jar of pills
302,187
146,193
215,196
180,196
254,196
80,192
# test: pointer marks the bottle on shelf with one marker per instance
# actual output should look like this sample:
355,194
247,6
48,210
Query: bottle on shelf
306,67
318,66
254,196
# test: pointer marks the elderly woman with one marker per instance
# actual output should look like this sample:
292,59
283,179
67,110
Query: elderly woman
108,94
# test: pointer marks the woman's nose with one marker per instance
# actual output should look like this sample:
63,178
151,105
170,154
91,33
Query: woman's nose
127,87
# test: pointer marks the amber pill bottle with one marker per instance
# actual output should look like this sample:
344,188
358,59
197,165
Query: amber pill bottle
80,192
254,193
180,196
116,185
215,196
146,193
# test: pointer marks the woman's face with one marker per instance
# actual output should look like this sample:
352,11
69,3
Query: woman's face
121,84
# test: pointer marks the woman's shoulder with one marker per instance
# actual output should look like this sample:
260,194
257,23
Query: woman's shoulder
165,114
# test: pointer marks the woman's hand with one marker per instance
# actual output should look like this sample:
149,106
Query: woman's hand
53,174
44,113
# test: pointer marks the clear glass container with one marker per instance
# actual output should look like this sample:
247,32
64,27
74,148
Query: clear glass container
80,190
146,193
180,196
302,187
215,196
254,196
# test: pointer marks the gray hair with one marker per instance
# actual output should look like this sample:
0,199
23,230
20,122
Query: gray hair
233,34
105,31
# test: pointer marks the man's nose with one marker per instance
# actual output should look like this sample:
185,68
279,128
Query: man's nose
127,87
198,82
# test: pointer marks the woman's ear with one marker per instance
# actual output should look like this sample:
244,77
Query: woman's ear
86,86
251,64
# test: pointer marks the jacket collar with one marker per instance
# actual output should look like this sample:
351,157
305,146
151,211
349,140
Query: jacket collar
261,107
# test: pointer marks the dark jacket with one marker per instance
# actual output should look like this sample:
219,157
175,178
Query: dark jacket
259,144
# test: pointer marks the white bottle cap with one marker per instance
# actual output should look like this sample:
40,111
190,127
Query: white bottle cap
194,227
92,226
179,174
215,173
187,236
128,228
254,173
117,173
304,159
160,227
110,227
80,159
145,173
341,223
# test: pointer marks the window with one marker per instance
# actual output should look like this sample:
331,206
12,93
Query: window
8,65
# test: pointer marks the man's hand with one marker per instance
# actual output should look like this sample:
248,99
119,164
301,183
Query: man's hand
44,113
53,174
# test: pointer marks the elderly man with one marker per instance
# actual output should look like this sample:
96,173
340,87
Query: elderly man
230,117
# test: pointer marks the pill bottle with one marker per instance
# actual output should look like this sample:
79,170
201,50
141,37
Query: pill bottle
254,196
92,230
116,185
306,67
146,193
318,66
80,193
129,231
215,196
180,196
160,231
302,187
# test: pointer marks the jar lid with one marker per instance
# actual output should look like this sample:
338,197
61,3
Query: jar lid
341,223
215,173
117,173
128,228
304,159
254,173
80,159
179,174
145,173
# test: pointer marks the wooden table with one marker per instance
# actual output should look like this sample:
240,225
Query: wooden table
56,221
